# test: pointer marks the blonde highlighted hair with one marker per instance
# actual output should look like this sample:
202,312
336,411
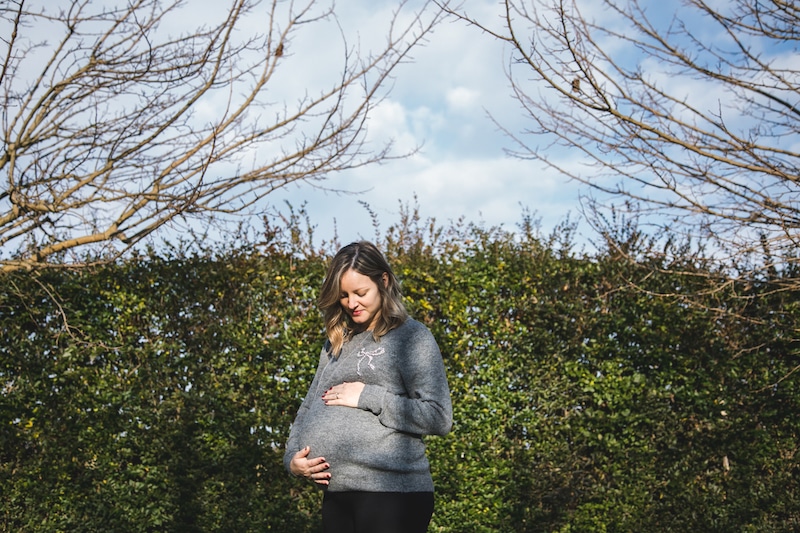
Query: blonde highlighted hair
364,258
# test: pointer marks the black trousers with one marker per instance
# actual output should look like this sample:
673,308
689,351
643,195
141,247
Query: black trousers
376,512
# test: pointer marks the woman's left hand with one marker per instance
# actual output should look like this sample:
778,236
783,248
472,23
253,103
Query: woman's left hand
345,394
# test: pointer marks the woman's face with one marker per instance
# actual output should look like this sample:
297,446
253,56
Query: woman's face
360,298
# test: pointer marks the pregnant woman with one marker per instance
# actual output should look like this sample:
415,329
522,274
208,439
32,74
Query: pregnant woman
379,387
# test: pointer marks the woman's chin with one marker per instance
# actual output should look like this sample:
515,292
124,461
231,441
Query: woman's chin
360,323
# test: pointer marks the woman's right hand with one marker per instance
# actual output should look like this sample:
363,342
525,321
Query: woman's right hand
313,469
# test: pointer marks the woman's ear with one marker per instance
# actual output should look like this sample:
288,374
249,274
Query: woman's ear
385,279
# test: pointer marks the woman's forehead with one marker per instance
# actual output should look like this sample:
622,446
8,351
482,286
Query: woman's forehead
353,280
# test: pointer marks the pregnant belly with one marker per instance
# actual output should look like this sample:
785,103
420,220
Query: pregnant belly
340,431
348,436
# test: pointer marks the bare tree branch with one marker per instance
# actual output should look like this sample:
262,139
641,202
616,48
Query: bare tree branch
113,127
690,111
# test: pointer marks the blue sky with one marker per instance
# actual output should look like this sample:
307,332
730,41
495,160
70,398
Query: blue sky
441,102
448,101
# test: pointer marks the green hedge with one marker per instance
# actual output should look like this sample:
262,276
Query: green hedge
156,394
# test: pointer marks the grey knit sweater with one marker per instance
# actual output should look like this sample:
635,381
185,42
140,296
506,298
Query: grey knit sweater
378,446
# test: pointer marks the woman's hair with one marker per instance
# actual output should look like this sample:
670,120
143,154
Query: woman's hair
365,258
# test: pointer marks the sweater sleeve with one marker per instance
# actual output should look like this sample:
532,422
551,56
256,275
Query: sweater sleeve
425,408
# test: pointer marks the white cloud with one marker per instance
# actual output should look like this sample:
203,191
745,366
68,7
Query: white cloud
462,98
439,101
493,191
